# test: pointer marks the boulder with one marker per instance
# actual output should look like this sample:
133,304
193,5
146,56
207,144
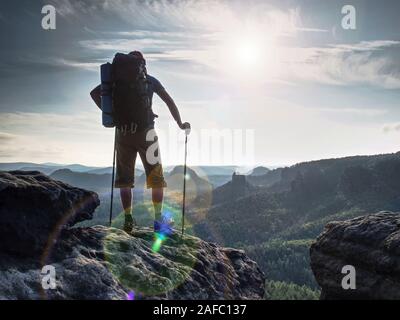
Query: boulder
33,207
371,244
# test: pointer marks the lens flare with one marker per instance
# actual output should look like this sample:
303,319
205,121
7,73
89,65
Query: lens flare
54,235
130,296
127,255
159,239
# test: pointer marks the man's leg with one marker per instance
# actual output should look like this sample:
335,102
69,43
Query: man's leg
126,199
154,173
157,197
163,222
125,176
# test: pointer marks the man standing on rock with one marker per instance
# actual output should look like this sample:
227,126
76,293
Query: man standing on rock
133,139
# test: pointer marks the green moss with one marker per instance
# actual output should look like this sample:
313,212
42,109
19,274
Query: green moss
133,263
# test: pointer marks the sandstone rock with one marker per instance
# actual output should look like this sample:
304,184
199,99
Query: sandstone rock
33,207
103,262
372,245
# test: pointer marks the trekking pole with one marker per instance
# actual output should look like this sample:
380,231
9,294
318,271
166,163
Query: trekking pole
187,132
112,178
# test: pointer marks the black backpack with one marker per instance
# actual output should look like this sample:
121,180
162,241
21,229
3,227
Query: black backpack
131,103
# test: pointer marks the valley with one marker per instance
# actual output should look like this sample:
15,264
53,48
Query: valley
274,216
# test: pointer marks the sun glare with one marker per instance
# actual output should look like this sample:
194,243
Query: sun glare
247,55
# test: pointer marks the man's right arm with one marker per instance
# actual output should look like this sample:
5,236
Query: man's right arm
96,96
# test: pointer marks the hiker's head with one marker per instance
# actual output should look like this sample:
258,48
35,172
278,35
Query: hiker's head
138,54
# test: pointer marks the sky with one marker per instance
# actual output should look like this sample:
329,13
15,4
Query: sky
262,82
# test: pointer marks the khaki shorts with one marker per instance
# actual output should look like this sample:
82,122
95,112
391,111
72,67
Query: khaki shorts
128,146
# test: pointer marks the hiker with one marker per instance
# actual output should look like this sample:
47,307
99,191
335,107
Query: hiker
131,142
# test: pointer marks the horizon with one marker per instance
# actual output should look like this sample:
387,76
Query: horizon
243,167
285,75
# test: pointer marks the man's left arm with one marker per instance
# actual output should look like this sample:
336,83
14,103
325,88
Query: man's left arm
163,94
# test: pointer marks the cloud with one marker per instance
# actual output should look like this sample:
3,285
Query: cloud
75,8
312,30
357,112
188,15
149,34
366,62
63,138
45,123
365,46
195,15
29,151
393,127
189,33
362,63
147,44
26,144
185,31
6,137
88,66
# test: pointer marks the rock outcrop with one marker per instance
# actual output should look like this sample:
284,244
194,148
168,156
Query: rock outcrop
32,206
37,215
371,244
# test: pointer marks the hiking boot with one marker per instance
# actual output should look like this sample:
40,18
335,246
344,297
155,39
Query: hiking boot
129,223
164,226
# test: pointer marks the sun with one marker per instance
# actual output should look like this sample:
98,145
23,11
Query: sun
248,53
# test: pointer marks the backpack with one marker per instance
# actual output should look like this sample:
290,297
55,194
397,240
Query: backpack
131,103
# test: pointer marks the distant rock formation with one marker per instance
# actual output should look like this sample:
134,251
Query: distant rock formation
194,182
371,244
259,171
36,219
238,187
